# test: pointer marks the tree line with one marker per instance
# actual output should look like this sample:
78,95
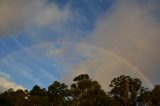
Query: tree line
125,91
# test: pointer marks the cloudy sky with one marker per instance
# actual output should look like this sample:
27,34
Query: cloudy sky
46,40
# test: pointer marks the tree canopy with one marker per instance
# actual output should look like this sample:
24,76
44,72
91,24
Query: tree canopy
125,91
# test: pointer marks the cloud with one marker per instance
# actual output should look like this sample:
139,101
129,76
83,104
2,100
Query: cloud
131,30
6,84
27,14
103,66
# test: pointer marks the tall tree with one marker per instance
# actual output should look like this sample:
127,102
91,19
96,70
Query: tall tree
36,90
145,98
7,97
58,94
86,92
20,98
36,96
156,95
125,90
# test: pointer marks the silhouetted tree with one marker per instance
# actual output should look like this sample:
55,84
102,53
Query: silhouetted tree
86,92
156,95
5,99
36,91
58,94
37,96
145,98
20,98
125,90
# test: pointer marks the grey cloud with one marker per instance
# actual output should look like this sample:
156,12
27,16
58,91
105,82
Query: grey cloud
103,65
20,14
127,42
132,31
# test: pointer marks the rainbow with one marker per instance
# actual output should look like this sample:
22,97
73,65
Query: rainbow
134,68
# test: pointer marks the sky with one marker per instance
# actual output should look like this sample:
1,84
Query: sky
46,40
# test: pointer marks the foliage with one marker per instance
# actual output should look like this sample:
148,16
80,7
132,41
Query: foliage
125,91
156,95
86,92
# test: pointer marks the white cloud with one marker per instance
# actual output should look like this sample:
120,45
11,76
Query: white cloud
6,84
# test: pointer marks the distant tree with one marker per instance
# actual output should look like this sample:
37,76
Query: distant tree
19,98
36,96
156,95
9,95
125,90
58,94
36,90
145,98
86,92
5,99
